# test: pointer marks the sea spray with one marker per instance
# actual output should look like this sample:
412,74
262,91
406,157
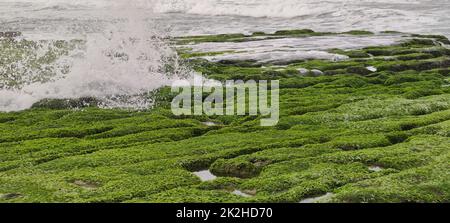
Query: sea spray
118,66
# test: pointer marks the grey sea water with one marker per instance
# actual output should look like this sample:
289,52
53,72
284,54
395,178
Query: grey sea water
184,17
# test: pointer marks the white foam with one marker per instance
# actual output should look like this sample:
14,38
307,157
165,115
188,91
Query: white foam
218,16
280,56
126,59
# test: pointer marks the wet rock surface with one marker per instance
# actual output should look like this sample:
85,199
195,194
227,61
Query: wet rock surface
10,34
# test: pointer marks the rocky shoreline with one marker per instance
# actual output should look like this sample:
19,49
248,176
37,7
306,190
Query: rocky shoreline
374,127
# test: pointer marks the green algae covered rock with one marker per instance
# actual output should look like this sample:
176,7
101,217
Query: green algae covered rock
371,128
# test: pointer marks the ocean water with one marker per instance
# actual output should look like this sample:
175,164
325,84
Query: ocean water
292,49
184,17
137,30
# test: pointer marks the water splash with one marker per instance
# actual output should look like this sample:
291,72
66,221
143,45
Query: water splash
118,66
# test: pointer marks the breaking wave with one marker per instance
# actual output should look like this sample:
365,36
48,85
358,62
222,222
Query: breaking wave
253,8
118,66
124,52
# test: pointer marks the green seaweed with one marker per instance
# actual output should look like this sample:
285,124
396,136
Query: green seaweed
333,128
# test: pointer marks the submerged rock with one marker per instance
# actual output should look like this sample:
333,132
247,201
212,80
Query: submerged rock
67,103
361,70
235,168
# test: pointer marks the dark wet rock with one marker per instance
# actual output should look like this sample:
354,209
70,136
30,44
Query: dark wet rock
334,72
416,56
198,163
259,34
235,168
294,32
419,42
439,38
240,63
242,194
358,32
67,103
10,196
416,65
361,70
10,34
358,54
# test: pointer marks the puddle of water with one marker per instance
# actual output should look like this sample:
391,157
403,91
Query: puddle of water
323,198
209,123
240,193
205,175
375,168
372,68
10,196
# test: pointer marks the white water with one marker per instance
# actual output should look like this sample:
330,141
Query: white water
291,49
129,27
223,16
125,59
